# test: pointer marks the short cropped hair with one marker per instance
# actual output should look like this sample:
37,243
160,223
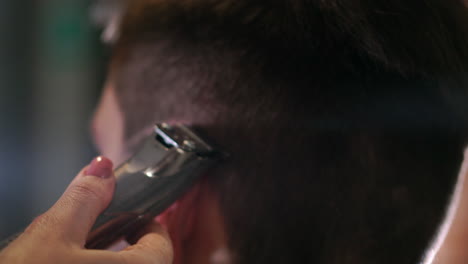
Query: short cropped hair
345,119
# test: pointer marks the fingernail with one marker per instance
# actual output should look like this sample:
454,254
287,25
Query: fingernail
100,167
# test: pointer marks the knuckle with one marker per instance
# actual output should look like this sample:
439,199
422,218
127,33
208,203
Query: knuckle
144,254
130,259
124,260
121,259
86,191
162,250
166,252
42,222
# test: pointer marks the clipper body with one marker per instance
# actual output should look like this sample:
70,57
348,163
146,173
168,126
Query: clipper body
166,165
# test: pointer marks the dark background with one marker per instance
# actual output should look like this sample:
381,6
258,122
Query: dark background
52,67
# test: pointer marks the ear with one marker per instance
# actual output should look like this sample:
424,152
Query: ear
196,225
179,221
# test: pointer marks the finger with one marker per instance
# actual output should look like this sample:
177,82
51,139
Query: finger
84,199
154,246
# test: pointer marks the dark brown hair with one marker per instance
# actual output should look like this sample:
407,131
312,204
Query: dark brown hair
345,119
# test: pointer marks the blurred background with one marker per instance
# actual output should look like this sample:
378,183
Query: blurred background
52,66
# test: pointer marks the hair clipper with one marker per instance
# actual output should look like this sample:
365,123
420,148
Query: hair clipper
166,165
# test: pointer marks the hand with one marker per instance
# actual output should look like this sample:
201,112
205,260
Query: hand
59,235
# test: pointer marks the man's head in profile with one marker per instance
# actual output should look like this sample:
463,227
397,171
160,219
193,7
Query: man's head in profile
345,121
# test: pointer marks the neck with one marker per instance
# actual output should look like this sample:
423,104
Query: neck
453,246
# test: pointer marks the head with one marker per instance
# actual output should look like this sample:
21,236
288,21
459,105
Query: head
345,121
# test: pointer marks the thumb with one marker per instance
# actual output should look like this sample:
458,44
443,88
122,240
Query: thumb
86,197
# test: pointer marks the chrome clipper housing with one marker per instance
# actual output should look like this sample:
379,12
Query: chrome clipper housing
167,164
